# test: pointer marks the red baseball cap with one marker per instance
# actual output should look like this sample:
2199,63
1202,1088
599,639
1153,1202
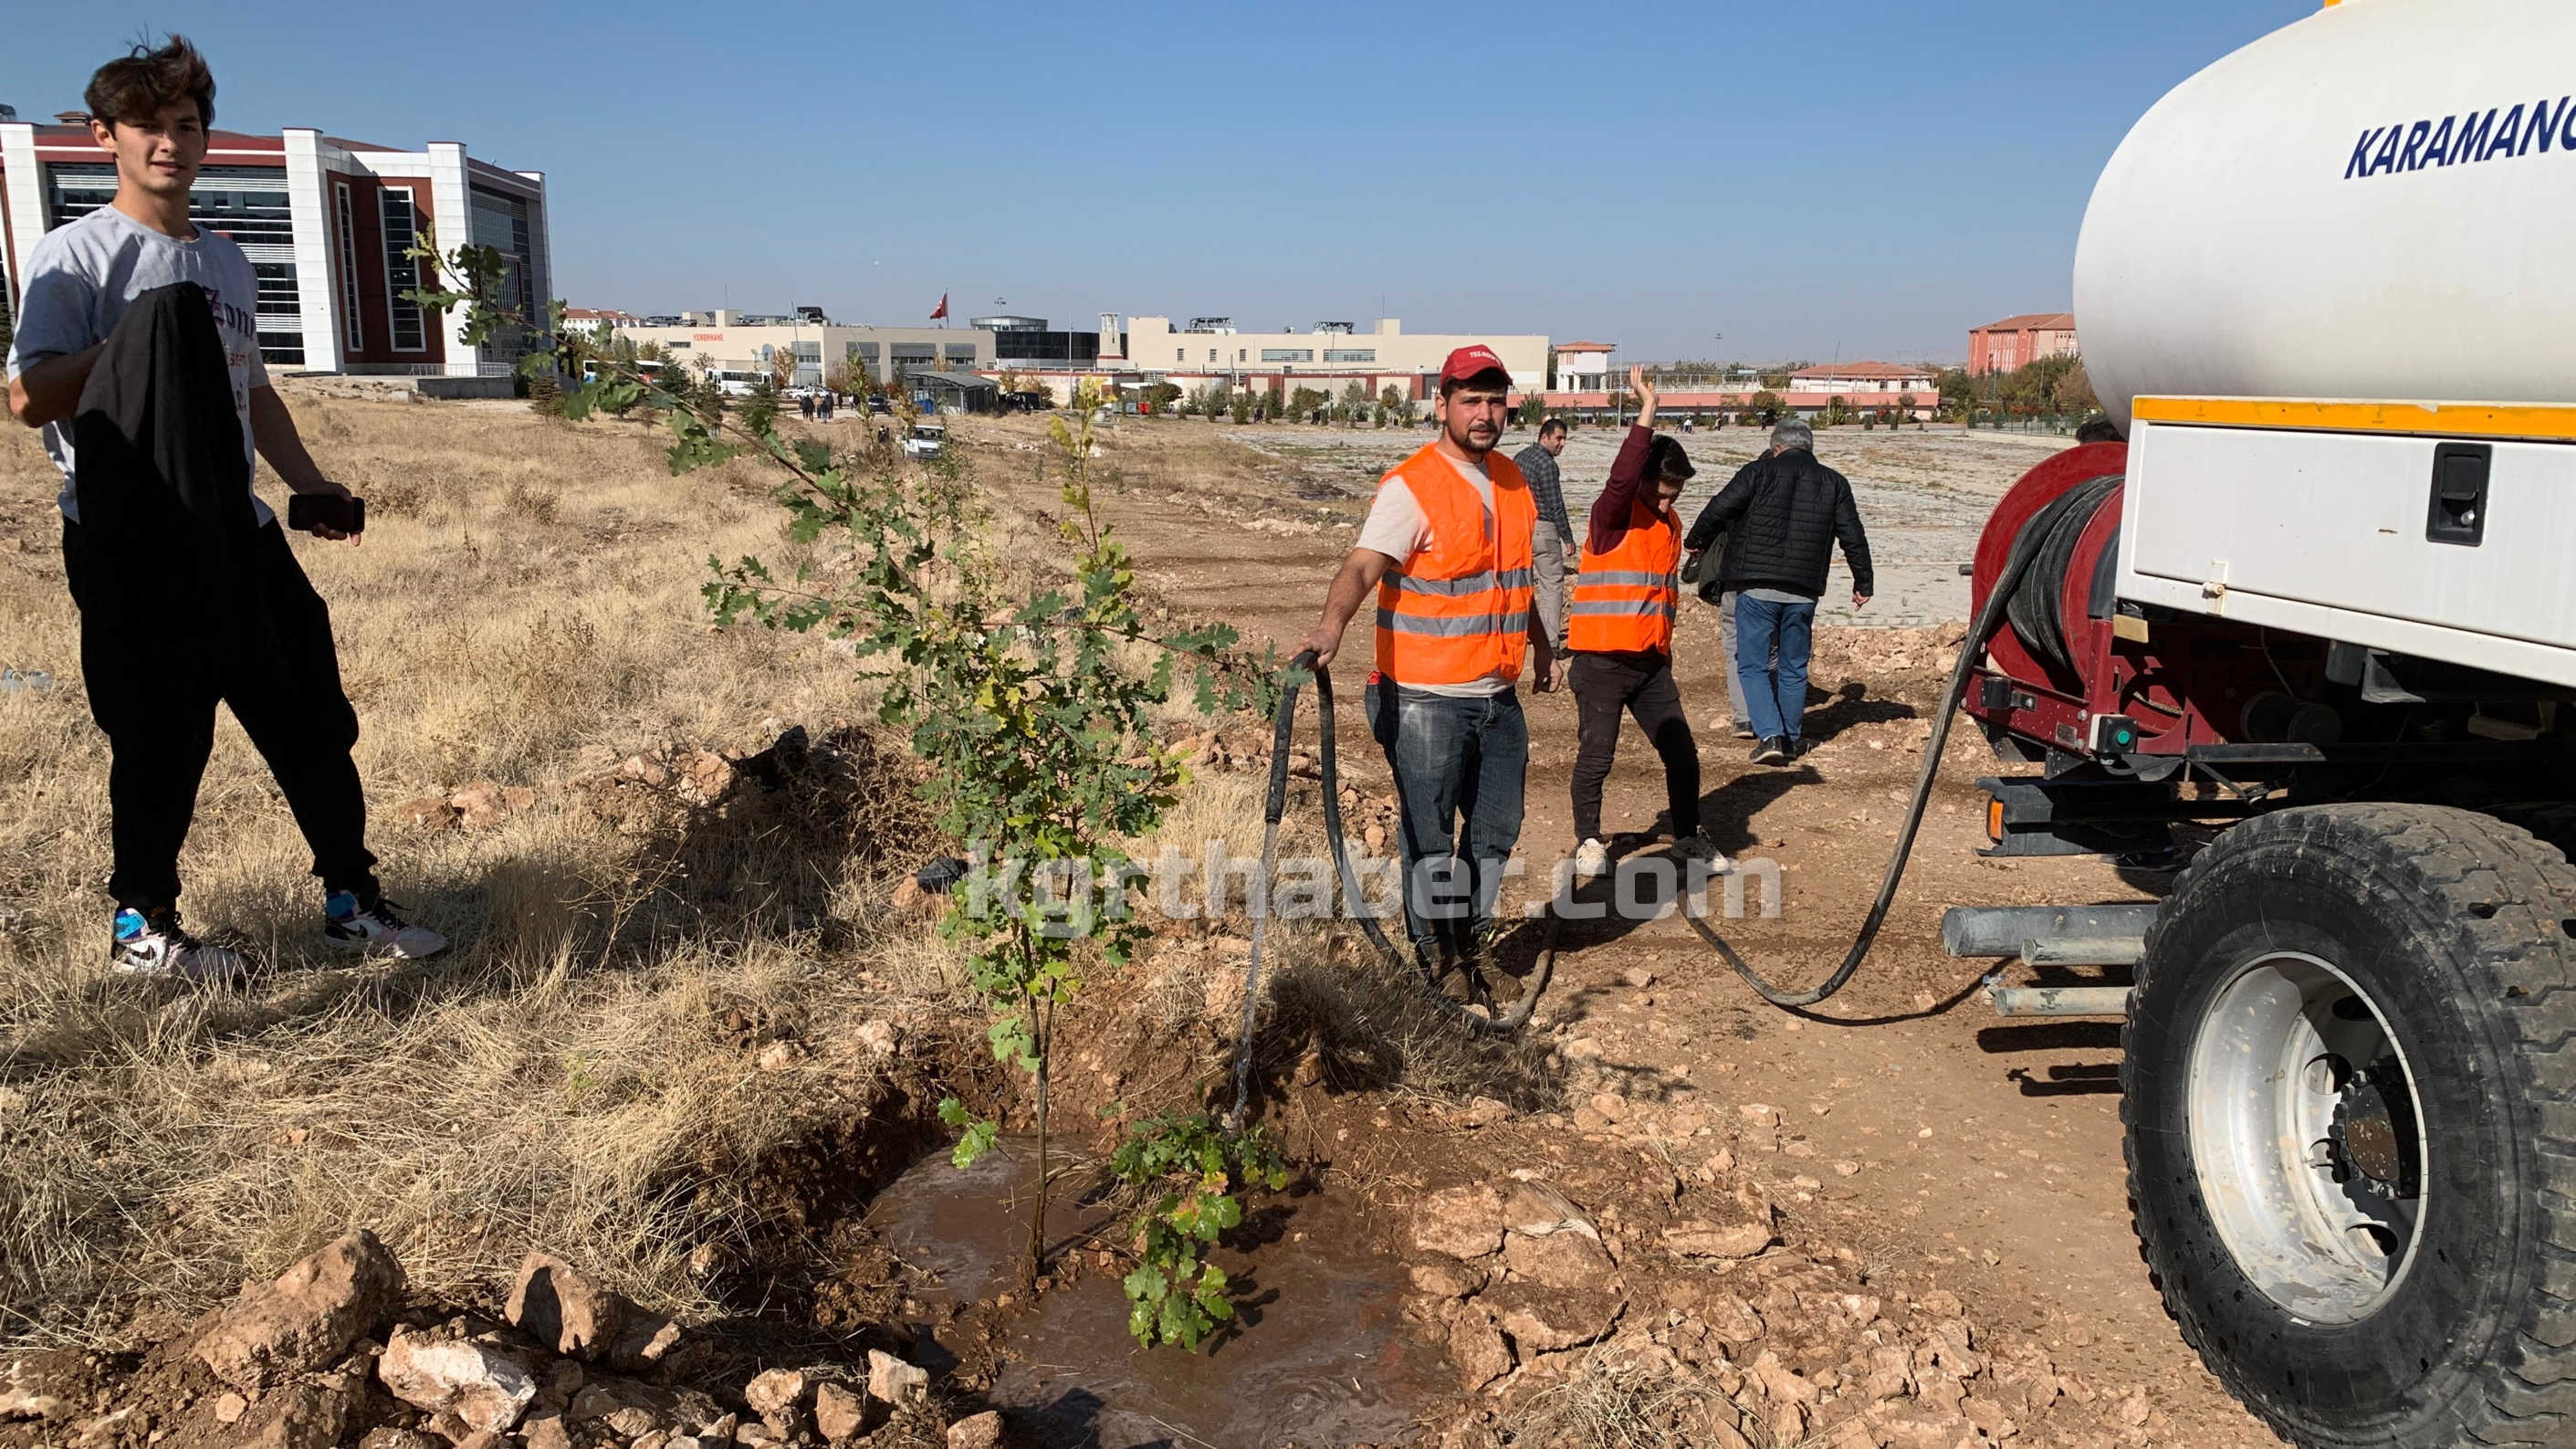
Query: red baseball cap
1467,362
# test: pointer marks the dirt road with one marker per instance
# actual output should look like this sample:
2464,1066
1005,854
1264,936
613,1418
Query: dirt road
1914,1125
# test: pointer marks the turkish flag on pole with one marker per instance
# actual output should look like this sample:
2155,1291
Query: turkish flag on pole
943,308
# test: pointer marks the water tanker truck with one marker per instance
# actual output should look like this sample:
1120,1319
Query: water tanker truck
2316,618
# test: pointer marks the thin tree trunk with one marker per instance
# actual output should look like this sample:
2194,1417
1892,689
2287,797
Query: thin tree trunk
1037,1216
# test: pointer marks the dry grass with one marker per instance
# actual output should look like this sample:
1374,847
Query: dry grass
525,602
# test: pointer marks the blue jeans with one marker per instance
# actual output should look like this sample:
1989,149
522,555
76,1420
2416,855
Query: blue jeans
1773,698
1453,758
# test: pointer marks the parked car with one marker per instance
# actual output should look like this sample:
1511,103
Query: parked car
927,441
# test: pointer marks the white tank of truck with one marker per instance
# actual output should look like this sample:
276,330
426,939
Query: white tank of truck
2376,202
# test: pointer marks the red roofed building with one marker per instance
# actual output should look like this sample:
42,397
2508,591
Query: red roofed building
1864,383
2016,342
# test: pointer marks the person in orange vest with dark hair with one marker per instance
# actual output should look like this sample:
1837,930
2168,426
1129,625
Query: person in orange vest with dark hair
1619,628
1447,549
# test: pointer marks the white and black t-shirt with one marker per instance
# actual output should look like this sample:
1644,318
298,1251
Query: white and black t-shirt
80,278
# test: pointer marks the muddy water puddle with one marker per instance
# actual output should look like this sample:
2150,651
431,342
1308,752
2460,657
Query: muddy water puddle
1320,1355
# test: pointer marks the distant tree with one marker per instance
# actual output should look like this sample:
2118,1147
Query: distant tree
760,410
1306,402
1905,407
2074,391
651,352
1274,405
1838,411
1163,397
1766,407
1410,413
849,375
1777,377
1534,406
1242,406
1355,402
782,370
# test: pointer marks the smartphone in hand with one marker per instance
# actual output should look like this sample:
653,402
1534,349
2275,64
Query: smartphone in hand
306,512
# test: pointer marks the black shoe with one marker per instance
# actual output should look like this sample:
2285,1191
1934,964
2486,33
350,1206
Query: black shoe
1772,751
1798,748
1743,731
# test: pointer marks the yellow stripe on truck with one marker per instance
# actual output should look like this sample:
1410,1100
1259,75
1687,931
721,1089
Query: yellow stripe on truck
2447,420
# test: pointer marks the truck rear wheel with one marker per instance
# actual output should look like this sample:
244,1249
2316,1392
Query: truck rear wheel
2352,1126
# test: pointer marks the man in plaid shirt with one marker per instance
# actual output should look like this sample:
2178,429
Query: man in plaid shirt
1549,541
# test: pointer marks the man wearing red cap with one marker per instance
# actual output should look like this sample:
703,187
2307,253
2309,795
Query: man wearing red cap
1447,548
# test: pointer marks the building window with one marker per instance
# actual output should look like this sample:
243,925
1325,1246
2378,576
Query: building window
961,352
349,322
809,352
863,351
1353,354
402,273
245,203
1287,354
1180,354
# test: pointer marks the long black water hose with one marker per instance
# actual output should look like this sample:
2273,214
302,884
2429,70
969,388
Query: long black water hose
2026,547
1492,1018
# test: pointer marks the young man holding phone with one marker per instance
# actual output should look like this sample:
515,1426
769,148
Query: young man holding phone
154,699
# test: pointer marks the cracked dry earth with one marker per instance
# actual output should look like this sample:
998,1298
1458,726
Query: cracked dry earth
1925,1158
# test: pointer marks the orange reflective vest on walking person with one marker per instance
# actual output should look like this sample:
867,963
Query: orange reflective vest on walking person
1458,611
1623,601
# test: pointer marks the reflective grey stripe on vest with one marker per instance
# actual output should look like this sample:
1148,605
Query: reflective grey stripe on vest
1623,578
1453,628
1623,606
1446,588
1472,584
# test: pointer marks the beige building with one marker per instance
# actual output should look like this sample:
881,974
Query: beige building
1329,357
740,349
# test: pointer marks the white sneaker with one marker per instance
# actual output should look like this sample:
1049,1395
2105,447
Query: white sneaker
1592,860
1704,850
379,930
158,948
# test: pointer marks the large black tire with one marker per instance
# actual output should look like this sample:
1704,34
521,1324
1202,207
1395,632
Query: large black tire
2453,930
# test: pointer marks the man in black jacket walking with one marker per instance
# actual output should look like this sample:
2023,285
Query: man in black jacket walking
1782,515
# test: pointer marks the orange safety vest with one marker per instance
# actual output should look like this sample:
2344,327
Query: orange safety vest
1458,611
1623,600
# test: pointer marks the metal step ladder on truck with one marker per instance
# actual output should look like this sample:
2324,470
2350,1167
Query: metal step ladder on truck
2320,609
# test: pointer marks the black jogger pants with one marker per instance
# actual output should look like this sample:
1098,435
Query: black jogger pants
157,707
1640,684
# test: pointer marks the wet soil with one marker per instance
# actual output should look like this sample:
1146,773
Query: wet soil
1319,1354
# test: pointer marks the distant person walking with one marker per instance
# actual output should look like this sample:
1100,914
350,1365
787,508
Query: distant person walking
138,343
1446,549
1621,635
1782,516
805,405
1551,540
1710,559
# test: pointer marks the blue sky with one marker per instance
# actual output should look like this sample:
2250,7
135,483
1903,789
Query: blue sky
1852,180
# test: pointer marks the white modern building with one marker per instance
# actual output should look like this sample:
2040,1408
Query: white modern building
729,343
1329,356
328,226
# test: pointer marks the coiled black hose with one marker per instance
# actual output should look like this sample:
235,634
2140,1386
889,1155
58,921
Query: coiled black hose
2033,538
